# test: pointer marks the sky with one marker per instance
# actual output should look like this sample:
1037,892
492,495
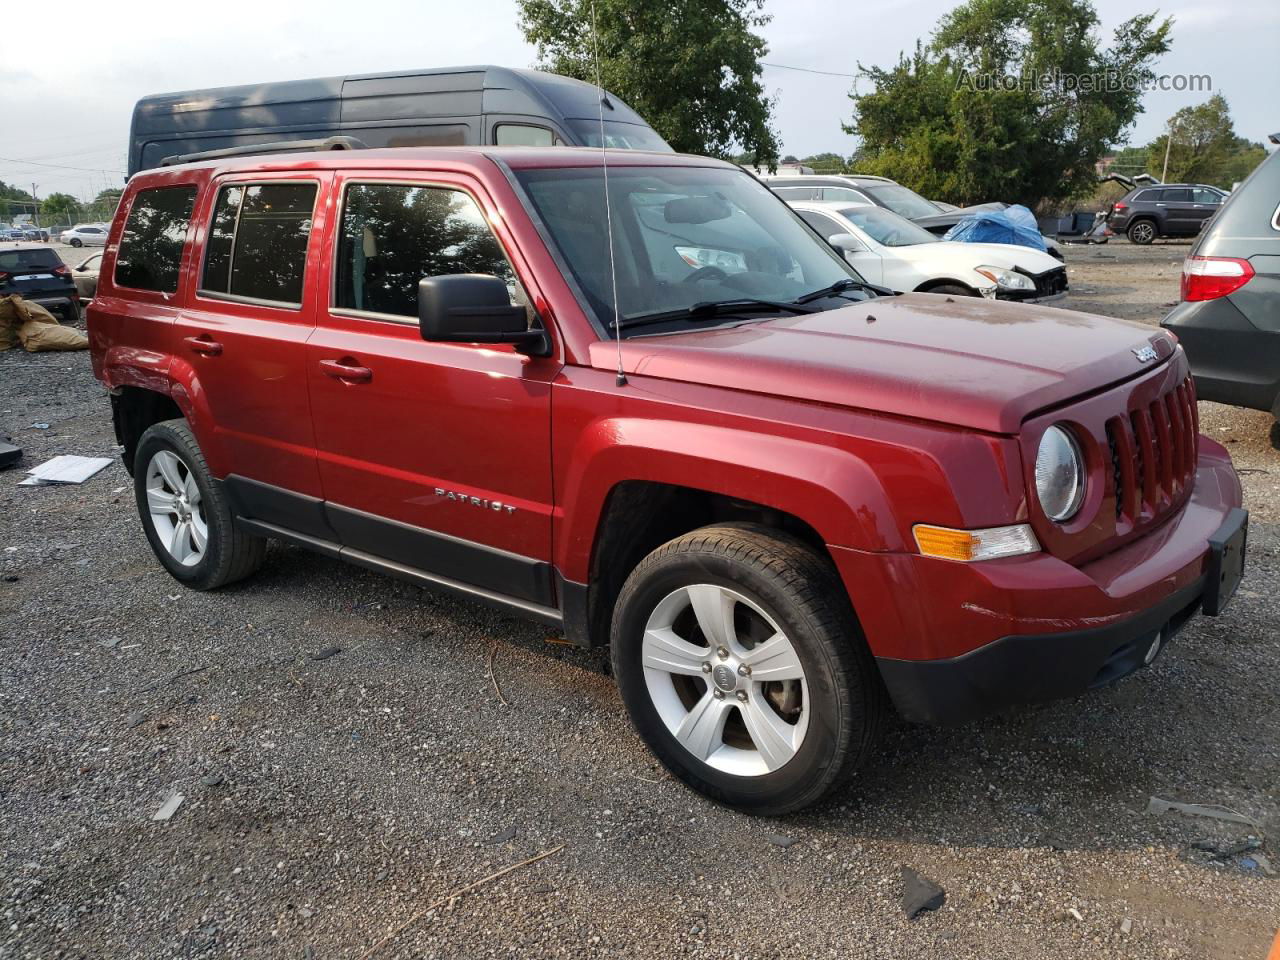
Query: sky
64,119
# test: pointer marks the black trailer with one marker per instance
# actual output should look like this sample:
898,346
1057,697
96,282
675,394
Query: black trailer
453,106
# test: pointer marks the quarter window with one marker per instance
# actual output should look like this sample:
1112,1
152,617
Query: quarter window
151,245
394,235
257,246
522,135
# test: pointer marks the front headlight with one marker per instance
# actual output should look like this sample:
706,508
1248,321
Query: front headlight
1006,279
1059,474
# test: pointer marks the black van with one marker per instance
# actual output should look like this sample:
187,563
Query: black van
453,106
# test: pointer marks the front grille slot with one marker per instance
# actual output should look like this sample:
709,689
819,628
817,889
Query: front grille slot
1153,453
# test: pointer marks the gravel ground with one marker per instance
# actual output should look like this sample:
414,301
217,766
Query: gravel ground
329,799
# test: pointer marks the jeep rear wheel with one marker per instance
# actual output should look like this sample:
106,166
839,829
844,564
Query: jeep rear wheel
186,519
1142,232
742,667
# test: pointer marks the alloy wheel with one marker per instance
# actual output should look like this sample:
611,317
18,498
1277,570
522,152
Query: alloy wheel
176,508
725,680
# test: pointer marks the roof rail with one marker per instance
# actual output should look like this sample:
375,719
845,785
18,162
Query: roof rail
279,146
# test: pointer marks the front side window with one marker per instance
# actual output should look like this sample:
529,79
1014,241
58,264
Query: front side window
393,235
618,135
847,194
822,223
1205,195
151,245
257,246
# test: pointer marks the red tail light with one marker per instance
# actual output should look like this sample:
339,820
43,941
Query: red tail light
62,270
4,277
1120,205
1208,278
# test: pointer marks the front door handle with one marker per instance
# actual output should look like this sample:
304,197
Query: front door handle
204,344
347,370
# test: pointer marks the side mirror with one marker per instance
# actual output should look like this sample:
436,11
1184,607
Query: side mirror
846,243
474,308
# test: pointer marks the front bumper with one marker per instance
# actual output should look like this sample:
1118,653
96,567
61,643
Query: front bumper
963,640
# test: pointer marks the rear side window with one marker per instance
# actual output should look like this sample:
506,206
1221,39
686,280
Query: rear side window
394,235
257,245
150,251
524,135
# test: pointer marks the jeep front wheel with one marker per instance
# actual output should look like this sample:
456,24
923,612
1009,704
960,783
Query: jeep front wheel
742,667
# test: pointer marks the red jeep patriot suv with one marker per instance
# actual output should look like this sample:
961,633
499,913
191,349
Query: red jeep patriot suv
784,501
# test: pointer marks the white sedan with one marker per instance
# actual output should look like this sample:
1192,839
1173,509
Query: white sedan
85,235
893,252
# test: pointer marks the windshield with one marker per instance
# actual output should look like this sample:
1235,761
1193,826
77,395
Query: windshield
904,202
886,227
681,236
619,135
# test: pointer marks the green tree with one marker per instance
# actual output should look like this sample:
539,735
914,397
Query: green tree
13,201
104,204
691,69
59,205
1204,148
1013,100
827,162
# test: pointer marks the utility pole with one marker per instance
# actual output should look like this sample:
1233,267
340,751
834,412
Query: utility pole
1168,142
35,207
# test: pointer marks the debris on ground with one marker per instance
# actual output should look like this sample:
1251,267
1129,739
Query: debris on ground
326,653
919,894
9,454
780,840
1159,807
1126,926
504,835
66,468
168,808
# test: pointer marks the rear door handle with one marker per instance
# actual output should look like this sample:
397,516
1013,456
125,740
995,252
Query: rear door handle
204,344
347,370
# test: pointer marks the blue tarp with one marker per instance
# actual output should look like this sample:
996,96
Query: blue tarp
1013,224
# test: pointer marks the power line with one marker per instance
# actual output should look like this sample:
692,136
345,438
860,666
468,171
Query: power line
63,166
824,73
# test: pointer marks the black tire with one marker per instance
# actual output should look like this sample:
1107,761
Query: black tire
71,313
953,289
76,242
230,553
1275,435
802,594
1142,232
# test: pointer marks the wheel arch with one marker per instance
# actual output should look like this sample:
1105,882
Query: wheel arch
633,492
934,282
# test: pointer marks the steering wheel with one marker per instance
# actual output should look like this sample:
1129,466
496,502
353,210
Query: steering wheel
706,273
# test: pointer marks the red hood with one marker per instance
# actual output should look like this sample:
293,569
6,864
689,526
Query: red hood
983,364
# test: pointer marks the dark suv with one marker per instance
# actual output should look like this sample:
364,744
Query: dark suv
1165,210
1229,317
40,276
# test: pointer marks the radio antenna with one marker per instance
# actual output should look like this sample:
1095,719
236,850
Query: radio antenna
608,206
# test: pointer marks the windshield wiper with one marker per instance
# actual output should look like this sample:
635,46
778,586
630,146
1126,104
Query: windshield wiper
711,309
848,283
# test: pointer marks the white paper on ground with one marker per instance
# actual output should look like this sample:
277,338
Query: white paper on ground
66,468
